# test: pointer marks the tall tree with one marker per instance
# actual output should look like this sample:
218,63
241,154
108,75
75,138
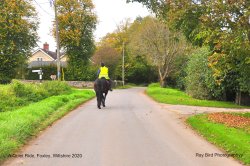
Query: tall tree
109,55
161,45
77,21
115,41
18,25
110,50
223,25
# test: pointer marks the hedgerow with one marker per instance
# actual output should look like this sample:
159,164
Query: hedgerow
18,94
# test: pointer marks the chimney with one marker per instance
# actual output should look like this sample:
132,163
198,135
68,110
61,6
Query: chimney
46,46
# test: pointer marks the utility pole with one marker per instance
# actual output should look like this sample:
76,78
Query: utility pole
57,44
123,74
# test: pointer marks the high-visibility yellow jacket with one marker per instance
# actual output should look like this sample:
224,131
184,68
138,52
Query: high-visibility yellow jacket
104,72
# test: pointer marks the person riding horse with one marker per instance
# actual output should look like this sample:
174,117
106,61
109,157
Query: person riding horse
102,85
103,72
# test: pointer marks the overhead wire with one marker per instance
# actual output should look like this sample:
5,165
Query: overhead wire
43,9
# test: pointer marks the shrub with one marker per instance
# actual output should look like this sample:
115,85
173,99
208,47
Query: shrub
177,77
19,94
20,89
84,73
47,72
139,71
81,73
4,79
29,92
8,99
56,87
199,81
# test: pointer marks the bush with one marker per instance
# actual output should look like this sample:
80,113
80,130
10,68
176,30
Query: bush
56,87
8,99
4,79
177,77
156,85
18,94
83,73
47,72
29,92
199,81
139,71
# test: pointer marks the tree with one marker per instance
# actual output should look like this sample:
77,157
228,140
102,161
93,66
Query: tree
230,39
140,71
109,50
119,36
223,25
161,46
112,44
18,25
77,22
199,80
109,55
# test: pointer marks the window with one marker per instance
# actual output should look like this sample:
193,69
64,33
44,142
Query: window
39,59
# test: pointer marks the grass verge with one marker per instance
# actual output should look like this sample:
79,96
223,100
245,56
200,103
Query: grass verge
17,94
174,96
129,85
234,141
16,127
124,87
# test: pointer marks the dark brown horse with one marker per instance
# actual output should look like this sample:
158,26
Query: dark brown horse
101,87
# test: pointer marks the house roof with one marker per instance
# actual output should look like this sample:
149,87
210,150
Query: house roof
51,54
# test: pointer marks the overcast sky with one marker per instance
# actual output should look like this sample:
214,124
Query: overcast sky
110,13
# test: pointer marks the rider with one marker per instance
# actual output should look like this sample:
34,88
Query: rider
103,71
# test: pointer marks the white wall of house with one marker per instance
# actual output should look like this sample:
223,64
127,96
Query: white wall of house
39,54
64,58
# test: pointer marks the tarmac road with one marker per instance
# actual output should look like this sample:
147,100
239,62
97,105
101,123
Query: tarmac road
132,130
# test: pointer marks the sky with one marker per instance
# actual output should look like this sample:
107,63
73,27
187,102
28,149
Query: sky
110,13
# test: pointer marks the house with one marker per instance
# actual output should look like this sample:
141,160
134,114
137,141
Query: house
44,57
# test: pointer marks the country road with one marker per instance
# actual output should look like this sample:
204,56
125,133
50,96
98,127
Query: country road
132,130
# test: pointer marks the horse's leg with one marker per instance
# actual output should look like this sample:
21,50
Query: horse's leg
103,102
98,100
104,99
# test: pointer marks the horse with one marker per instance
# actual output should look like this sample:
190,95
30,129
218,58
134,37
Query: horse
101,87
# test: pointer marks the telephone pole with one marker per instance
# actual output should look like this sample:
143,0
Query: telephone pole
123,74
57,44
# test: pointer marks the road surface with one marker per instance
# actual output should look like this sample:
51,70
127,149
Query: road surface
132,130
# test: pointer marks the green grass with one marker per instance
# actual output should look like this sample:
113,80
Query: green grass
232,140
128,85
177,97
124,87
18,94
16,127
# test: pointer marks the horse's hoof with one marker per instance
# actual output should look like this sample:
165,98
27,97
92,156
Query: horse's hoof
99,107
104,105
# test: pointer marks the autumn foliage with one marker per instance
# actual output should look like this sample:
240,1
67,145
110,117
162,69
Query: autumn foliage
230,120
18,25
